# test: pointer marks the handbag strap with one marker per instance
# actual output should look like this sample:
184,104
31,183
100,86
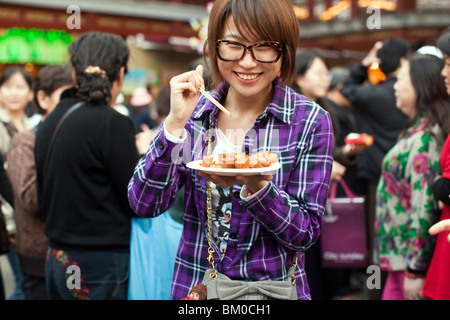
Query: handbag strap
52,140
213,274
344,186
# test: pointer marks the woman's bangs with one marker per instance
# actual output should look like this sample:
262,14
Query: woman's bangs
251,24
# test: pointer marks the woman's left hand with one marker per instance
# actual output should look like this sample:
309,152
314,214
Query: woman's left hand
253,183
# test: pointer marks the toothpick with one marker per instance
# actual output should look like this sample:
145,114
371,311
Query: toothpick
210,98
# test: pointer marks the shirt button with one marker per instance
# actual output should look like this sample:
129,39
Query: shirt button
233,236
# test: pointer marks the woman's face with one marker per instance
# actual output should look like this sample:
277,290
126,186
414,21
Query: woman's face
247,77
316,81
405,94
446,73
15,93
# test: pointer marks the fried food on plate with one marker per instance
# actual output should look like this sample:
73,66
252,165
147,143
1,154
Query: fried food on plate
240,160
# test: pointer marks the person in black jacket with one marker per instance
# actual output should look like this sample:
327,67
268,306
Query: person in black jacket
83,194
377,114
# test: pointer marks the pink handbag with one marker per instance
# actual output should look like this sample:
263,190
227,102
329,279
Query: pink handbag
343,239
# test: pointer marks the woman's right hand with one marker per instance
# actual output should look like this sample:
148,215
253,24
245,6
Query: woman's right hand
184,95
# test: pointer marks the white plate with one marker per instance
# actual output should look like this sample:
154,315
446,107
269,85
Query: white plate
233,172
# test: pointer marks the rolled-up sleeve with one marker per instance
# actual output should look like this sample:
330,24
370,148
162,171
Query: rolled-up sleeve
294,215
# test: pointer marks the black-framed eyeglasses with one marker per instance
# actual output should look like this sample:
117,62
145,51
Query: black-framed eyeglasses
264,52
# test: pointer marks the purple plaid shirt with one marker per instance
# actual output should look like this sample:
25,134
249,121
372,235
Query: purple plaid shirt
266,231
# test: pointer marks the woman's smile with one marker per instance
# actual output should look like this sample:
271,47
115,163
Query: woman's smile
248,76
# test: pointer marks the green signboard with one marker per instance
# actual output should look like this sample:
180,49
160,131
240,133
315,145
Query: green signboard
42,47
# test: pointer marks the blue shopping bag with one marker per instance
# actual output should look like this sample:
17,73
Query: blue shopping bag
153,247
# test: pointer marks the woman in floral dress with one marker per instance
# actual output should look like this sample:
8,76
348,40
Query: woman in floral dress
406,207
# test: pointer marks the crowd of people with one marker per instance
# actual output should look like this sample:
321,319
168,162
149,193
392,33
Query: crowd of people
87,183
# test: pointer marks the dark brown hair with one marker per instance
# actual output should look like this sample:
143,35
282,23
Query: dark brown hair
107,51
49,79
432,98
9,71
390,54
269,20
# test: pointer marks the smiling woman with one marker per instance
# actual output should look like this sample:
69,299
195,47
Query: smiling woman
243,226
249,25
